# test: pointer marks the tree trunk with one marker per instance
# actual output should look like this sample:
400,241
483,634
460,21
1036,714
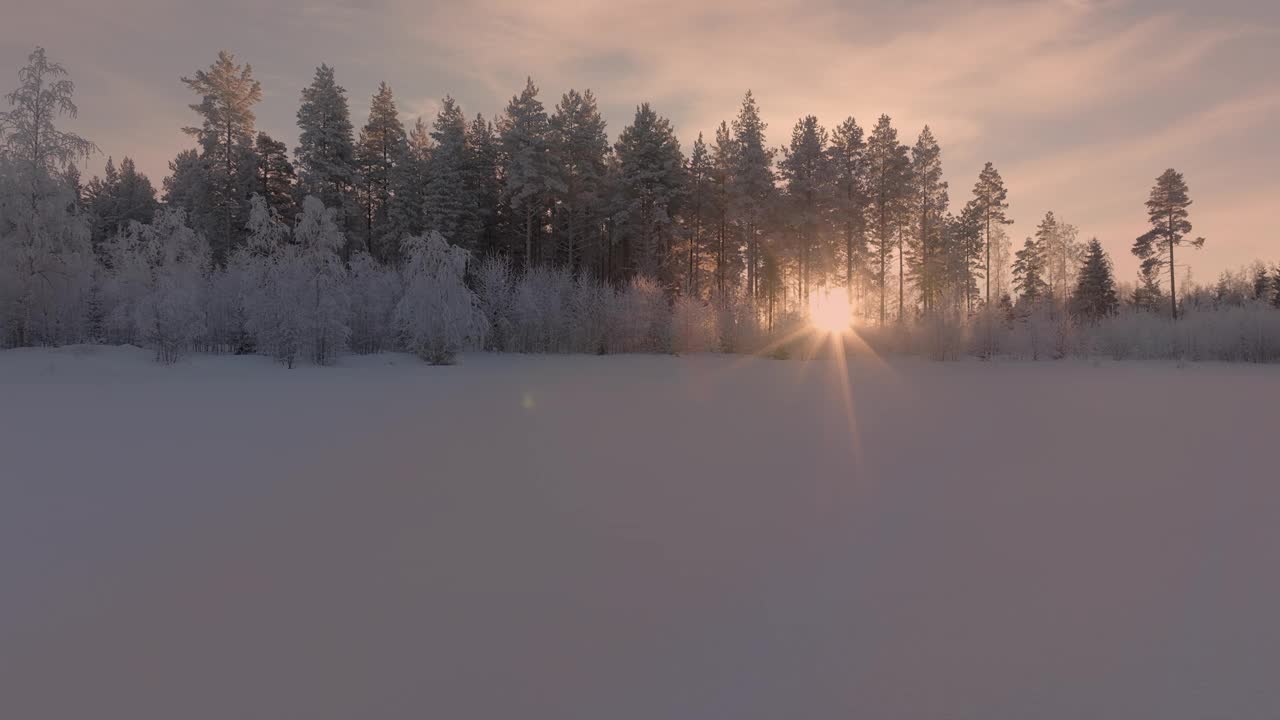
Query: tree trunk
1173,293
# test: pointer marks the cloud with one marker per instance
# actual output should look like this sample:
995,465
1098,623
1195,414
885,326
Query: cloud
1075,99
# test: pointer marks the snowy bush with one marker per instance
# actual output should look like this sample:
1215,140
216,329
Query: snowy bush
438,316
374,292
540,311
641,319
1246,333
494,289
155,286
693,326
299,306
590,307
738,326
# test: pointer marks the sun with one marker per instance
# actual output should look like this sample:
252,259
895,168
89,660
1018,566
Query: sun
829,311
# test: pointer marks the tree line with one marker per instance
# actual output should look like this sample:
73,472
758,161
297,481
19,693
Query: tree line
734,222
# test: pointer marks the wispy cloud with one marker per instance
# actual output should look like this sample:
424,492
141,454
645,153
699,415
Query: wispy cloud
1076,99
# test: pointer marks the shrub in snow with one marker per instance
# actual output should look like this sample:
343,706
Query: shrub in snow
591,304
1246,333
155,286
641,318
299,306
693,326
540,311
438,316
374,290
493,288
153,293
738,325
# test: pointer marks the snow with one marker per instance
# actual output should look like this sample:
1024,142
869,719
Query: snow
635,537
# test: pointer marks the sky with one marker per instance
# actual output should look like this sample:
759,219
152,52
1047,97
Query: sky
1079,103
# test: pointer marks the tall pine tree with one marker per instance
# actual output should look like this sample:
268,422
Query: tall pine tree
888,173
1095,295
228,92
991,200
326,146
1167,212
381,149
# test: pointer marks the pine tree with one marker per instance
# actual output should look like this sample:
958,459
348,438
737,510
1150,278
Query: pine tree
728,250
888,173
118,198
381,148
227,93
1029,272
806,168
483,183
1167,212
275,175
752,193
698,217
1095,292
527,166
928,200
449,206
326,148
581,147
849,196
991,198
1261,283
652,178
406,213
1147,294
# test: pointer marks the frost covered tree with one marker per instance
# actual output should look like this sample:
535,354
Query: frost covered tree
228,92
1095,294
494,285
374,290
651,174
298,306
438,316
991,199
29,137
326,146
46,259
1167,212
640,318
156,283
528,167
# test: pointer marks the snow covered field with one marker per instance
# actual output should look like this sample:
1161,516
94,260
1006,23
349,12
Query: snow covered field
635,538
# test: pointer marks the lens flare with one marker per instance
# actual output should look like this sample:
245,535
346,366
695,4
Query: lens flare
829,311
